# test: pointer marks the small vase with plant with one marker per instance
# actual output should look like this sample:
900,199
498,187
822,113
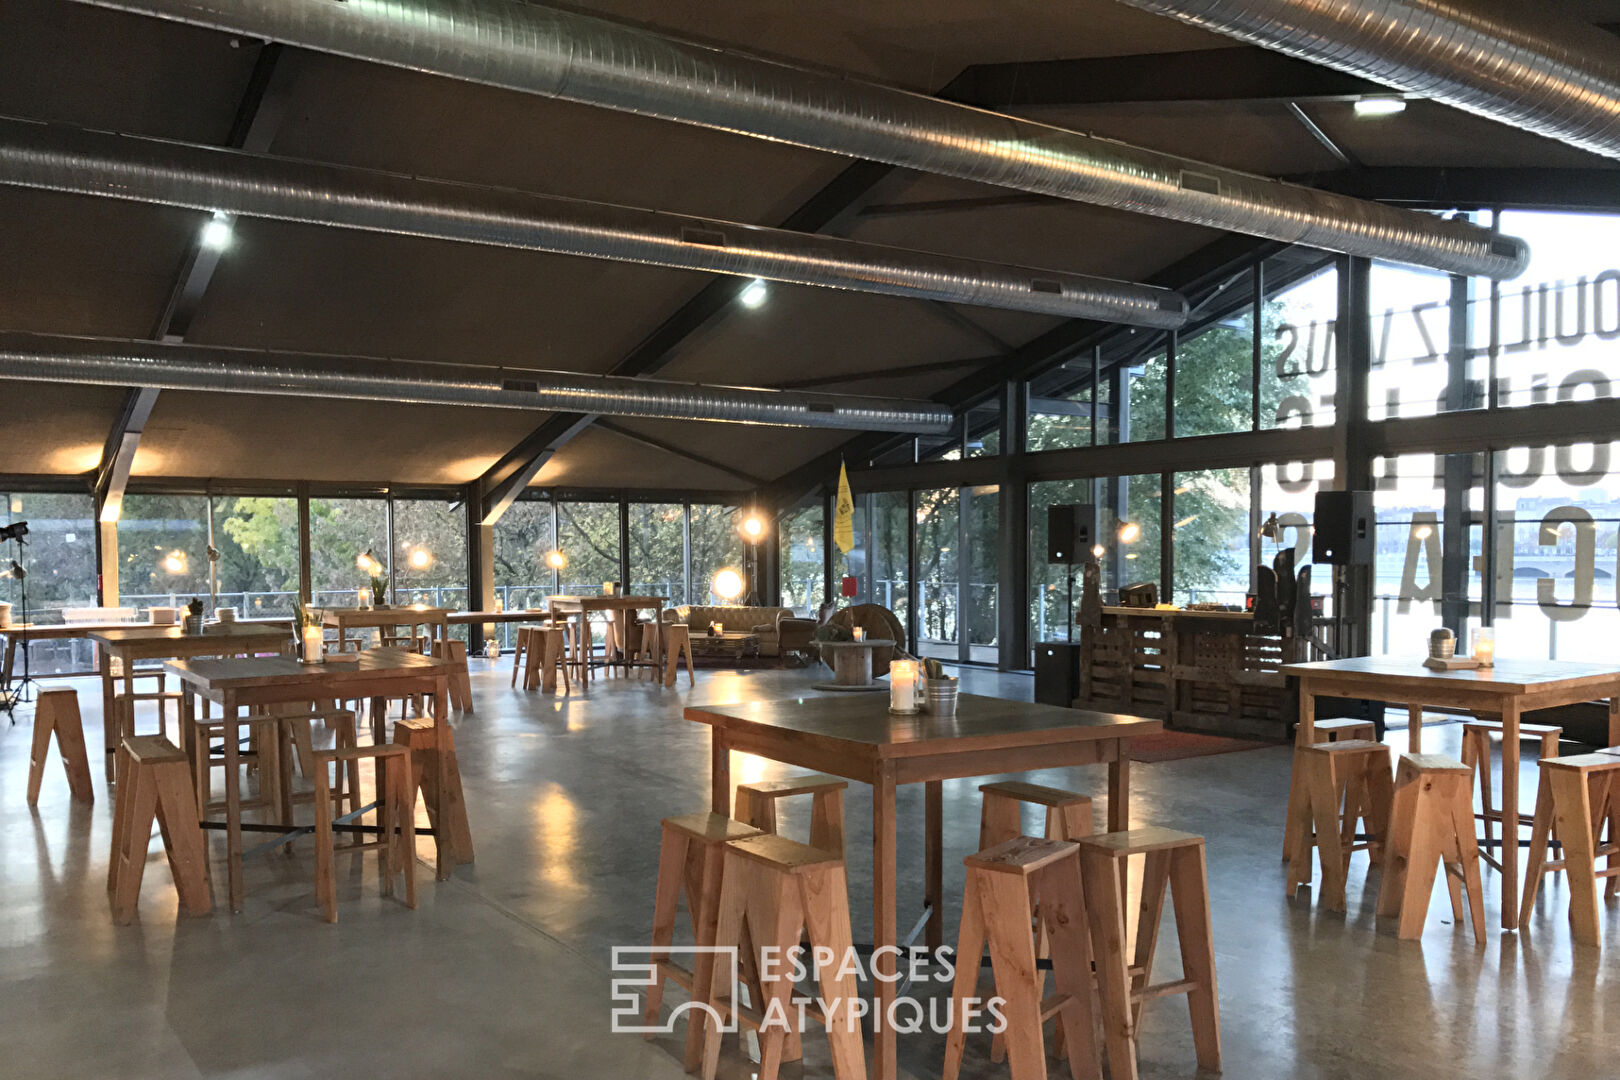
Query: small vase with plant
379,592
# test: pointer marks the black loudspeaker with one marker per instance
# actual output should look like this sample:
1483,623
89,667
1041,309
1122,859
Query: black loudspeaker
1057,673
1069,534
1344,528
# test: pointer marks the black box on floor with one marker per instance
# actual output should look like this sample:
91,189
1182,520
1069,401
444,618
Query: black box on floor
1057,673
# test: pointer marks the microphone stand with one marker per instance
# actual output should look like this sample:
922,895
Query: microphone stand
17,694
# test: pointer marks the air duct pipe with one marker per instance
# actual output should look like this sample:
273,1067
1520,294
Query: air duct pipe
60,158
1519,63
562,54
103,362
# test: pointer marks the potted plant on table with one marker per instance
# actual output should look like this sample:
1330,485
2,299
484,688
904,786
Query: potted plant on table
379,592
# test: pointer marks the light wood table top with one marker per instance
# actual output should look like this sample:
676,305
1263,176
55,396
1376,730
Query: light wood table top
518,615
262,672
1508,676
230,637
395,615
606,603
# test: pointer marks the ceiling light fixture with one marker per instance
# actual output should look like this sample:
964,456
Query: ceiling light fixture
216,235
754,294
1379,106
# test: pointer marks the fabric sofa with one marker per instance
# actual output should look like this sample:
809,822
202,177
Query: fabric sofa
778,629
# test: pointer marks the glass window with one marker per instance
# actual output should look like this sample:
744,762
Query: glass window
1429,508
658,550
59,558
984,429
162,550
1297,345
889,562
1558,516
1060,415
852,578
981,572
1288,489
1214,377
1050,583
430,554
716,546
257,541
803,558
1411,342
340,532
588,537
523,537
938,528
1211,540
1557,323
1130,533
1146,378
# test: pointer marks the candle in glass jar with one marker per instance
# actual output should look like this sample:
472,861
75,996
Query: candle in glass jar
903,686
860,633
363,597
314,642
1485,646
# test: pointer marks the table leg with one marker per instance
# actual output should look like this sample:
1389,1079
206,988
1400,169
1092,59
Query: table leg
1305,735
1119,788
1614,723
934,800
1510,813
443,850
11,656
232,716
719,773
885,935
109,723
1414,729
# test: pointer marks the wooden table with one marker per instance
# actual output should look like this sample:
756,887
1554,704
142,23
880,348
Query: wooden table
856,737
131,642
851,662
17,632
239,685
1511,688
581,607
437,620
516,615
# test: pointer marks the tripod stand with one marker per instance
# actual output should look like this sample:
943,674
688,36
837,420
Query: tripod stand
15,694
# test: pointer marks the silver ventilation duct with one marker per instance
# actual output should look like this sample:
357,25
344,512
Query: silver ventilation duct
58,158
1519,63
103,362
575,57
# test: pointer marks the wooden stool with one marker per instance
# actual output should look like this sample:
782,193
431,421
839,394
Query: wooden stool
1431,821
1476,754
460,682
1068,817
677,642
1345,728
125,704
263,754
689,864
295,741
57,713
1175,863
756,805
1003,884
520,650
155,784
547,653
450,811
648,650
772,889
396,820
1340,730
1577,795
1353,774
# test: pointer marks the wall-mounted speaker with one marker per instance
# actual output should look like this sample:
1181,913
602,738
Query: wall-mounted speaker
1345,528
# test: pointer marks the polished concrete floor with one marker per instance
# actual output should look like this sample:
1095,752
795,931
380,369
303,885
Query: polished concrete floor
504,970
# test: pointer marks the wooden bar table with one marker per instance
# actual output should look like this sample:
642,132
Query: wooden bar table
129,642
856,737
415,616
1511,688
581,607
238,686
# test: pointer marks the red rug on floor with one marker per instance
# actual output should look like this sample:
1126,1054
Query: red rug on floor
1175,745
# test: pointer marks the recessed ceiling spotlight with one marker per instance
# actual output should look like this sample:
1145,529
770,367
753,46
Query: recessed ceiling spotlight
1379,106
754,294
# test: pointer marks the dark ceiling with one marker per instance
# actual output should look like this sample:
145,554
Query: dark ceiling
86,266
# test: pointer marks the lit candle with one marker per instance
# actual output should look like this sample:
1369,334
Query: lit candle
860,633
314,642
363,597
1485,645
903,686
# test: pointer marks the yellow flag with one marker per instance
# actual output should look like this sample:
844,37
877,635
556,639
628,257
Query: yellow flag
844,517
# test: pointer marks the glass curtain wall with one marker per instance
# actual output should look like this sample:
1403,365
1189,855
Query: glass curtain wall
588,537
58,557
937,569
801,534
523,537
1051,584
852,570
890,570
430,554
1297,336
1429,509
257,540
716,546
1211,553
340,532
162,550
658,550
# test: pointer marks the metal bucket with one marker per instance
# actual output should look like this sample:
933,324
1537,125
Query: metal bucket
941,697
